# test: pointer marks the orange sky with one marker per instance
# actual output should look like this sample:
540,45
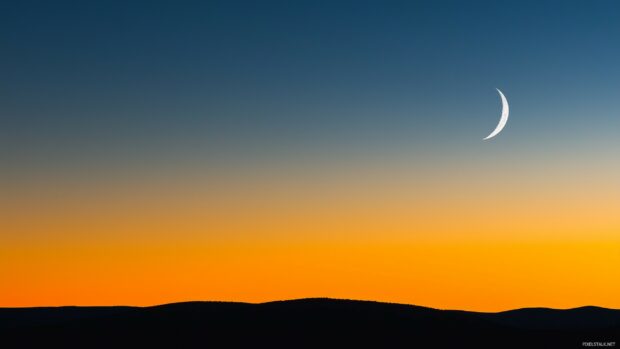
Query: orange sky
488,239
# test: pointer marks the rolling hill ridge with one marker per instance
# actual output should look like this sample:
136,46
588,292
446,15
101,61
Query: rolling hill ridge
305,323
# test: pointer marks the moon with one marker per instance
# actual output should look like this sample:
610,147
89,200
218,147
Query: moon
503,119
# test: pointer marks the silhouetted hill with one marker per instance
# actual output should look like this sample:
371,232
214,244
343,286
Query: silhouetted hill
306,323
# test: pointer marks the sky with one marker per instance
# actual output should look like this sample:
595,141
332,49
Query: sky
164,151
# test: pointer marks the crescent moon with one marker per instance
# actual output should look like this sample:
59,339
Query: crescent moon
504,118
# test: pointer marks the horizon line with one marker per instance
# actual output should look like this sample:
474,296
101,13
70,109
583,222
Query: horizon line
304,299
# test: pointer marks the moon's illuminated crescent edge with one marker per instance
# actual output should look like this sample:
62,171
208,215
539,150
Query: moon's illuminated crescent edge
503,119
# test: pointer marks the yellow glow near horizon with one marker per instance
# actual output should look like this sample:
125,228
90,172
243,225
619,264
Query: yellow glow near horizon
462,242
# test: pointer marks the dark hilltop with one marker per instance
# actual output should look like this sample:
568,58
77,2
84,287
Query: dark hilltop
305,323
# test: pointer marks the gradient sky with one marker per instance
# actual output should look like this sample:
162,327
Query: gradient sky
157,151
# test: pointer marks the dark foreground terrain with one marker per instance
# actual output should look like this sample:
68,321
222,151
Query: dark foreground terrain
305,323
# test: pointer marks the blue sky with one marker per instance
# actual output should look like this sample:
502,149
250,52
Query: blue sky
116,79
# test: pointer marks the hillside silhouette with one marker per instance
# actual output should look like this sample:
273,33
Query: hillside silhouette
303,323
